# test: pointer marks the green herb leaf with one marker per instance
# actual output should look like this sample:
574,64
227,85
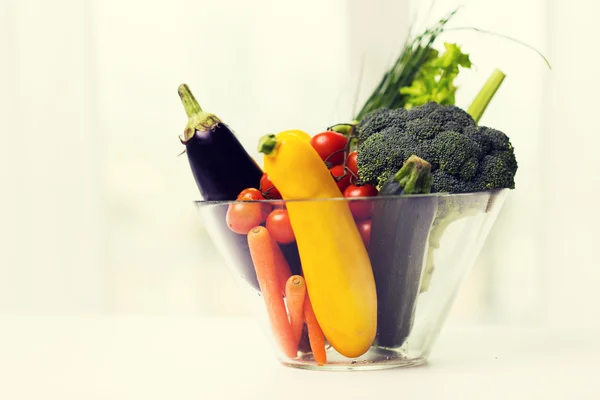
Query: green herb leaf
435,79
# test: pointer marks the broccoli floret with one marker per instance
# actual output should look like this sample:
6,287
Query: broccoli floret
458,155
451,118
449,183
492,173
374,150
423,128
464,157
379,120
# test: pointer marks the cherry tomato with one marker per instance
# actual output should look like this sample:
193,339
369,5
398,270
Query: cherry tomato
250,194
242,217
361,209
279,226
351,163
338,172
255,194
268,188
364,227
329,142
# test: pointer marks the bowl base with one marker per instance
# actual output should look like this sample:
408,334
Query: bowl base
374,359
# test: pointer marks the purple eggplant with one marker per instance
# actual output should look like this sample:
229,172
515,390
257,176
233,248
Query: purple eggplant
221,166
399,237
222,169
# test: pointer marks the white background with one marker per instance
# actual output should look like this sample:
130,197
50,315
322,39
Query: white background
96,213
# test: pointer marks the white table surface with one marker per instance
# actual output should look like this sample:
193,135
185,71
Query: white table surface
174,358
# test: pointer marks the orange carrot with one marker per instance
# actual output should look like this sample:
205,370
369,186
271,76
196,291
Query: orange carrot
295,289
315,333
283,268
263,257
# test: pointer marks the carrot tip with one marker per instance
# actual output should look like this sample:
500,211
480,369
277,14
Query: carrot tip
296,280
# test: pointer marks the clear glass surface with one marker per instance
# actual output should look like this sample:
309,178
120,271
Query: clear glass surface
420,251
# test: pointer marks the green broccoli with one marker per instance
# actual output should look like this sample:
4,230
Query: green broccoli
464,157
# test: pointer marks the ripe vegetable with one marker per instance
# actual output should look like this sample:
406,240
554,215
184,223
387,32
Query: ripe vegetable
242,217
279,226
330,145
464,157
268,188
364,227
220,165
295,291
399,233
263,257
336,267
221,168
315,333
361,209
351,164
341,177
252,194
435,80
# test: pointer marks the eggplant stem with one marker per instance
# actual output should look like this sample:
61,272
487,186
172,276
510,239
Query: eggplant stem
191,105
197,119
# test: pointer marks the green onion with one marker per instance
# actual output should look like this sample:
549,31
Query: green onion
414,54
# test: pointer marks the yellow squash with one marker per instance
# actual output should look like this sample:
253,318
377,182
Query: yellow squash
335,263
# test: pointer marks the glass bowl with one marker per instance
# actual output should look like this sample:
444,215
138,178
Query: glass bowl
382,310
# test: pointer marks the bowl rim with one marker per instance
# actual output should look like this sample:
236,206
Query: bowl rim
437,195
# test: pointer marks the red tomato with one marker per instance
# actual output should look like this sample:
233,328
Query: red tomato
279,226
351,163
361,209
329,142
268,188
255,194
338,173
242,217
250,194
364,227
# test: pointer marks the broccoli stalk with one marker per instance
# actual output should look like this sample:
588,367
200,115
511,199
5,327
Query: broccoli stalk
445,216
413,178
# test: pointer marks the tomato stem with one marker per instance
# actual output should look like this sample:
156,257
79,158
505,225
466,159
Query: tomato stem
348,130
266,193
329,163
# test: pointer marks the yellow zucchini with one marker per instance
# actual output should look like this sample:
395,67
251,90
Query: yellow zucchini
335,262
